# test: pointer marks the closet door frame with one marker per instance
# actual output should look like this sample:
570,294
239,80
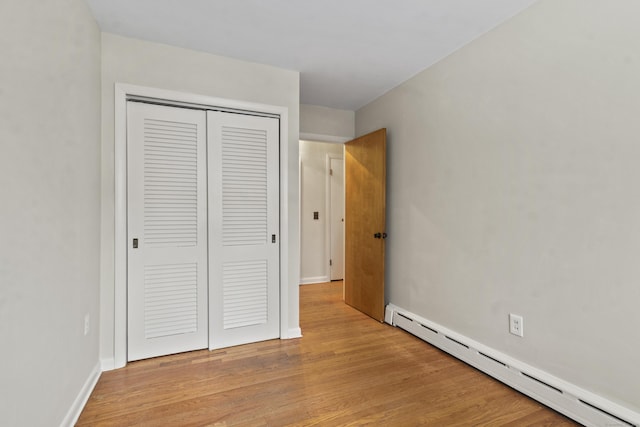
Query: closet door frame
124,92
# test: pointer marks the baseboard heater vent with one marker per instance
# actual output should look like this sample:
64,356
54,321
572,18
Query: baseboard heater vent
564,397
402,315
431,329
456,341
542,382
607,413
491,358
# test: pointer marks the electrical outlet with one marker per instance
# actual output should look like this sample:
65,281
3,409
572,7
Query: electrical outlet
87,323
516,325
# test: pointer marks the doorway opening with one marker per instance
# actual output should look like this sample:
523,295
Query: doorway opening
321,211
362,220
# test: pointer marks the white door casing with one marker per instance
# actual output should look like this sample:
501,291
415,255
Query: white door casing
167,206
336,217
244,235
115,325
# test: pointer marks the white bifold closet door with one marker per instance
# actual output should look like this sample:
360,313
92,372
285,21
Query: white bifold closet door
244,238
167,230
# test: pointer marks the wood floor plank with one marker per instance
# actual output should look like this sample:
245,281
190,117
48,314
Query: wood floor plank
347,370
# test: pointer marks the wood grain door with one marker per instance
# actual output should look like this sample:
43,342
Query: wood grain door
365,202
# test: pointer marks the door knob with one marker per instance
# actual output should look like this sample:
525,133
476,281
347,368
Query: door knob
377,236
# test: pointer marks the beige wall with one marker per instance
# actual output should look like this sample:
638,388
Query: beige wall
137,62
50,207
513,187
314,263
317,120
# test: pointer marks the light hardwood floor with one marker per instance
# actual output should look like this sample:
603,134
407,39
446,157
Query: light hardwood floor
348,369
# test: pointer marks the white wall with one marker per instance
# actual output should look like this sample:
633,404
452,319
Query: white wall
50,212
316,120
314,262
138,62
513,187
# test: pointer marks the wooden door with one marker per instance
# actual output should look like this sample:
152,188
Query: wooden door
336,218
365,201
244,235
167,230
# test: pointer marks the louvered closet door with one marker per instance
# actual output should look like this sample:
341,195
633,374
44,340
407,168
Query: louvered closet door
167,214
244,236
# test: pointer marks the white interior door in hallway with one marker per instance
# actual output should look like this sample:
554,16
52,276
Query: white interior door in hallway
336,217
193,274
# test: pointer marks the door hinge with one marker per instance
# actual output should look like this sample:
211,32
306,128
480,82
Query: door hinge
330,171
330,262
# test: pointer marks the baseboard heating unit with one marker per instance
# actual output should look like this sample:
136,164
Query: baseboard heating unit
581,405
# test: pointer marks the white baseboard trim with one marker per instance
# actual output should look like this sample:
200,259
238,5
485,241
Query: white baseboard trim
78,405
581,405
108,364
314,280
293,333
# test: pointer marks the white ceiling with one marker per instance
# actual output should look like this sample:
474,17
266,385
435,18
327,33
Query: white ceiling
348,52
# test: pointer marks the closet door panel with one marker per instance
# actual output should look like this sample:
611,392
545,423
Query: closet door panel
167,230
244,244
